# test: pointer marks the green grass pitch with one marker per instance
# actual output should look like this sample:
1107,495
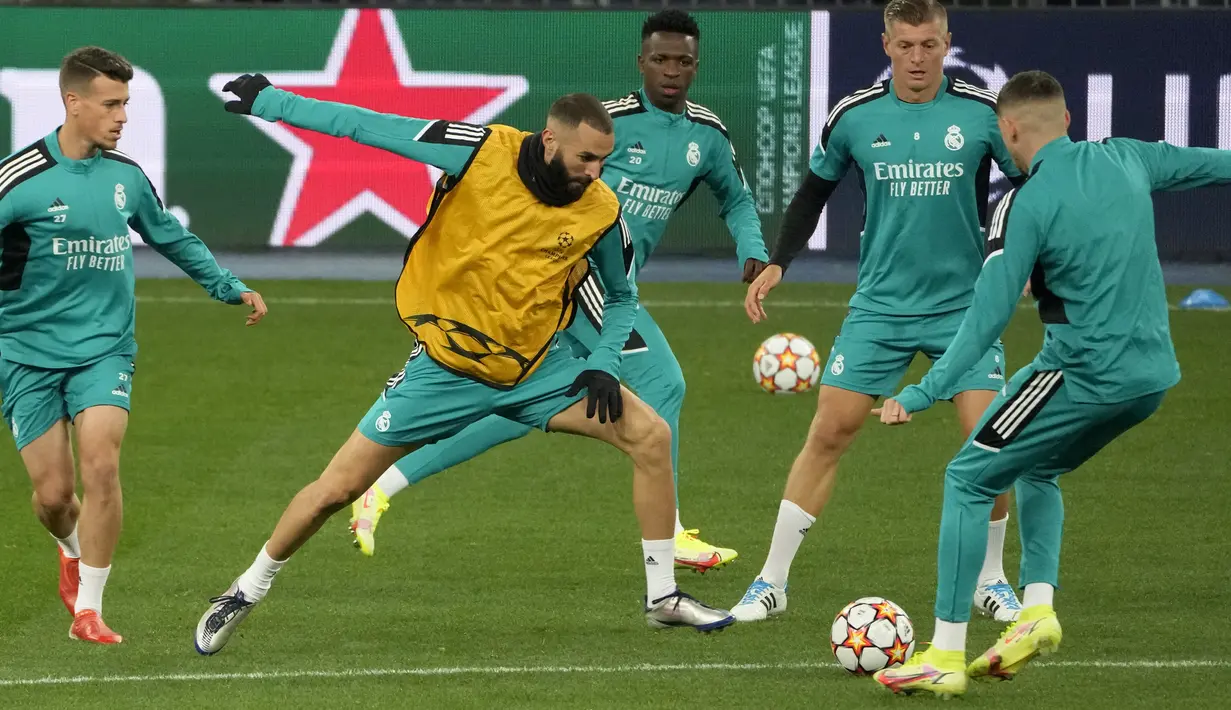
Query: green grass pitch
515,579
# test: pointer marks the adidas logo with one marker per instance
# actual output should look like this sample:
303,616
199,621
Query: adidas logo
881,142
637,148
650,561
57,206
996,374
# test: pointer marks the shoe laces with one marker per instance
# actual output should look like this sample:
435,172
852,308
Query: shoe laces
691,534
229,605
757,588
1004,594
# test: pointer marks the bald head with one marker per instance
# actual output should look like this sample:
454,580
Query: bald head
1032,113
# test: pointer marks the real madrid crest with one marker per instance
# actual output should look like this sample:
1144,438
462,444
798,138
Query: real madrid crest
120,198
954,139
694,154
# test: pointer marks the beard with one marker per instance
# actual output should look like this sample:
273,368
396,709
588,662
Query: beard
575,186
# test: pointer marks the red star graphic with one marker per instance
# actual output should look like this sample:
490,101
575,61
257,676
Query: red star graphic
335,180
897,654
886,610
857,640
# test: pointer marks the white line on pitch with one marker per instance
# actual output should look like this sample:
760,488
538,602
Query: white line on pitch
650,303
548,670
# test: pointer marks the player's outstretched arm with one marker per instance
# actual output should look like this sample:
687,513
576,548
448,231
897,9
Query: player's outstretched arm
1014,239
619,298
739,210
408,137
798,224
612,256
828,164
167,236
1174,168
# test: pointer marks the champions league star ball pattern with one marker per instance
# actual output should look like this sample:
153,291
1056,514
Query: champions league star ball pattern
786,363
870,634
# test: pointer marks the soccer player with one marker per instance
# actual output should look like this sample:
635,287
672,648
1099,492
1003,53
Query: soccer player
664,146
1081,230
486,286
923,144
67,312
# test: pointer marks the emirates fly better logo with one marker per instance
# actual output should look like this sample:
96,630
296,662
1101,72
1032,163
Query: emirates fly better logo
335,180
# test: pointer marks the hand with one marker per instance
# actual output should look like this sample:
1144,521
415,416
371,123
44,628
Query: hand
1026,291
604,395
246,88
752,269
252,298
891,413
768,279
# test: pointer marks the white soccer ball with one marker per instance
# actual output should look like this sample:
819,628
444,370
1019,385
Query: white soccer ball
870,634
786,363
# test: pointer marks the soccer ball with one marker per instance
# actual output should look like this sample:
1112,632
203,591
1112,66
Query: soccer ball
786,363
870,634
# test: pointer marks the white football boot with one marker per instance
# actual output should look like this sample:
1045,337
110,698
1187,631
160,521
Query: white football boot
995,598
761,601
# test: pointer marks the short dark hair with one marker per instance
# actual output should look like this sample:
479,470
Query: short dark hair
575,109
674,21
914,12
1028,87
84,63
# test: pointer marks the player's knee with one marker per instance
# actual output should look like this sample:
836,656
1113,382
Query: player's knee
674,387
648,435
54,497
832,431
333,492
100,474
960,486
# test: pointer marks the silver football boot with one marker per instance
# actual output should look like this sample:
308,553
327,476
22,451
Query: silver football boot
221,619
679,609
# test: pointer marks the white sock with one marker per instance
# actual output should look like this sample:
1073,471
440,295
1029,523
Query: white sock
950,636
392,481
793,523
659,558
1038,593
993,561
90,589
256,581
679,527
69,545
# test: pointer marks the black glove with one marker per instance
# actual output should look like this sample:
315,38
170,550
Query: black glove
246,88
752,269
604,395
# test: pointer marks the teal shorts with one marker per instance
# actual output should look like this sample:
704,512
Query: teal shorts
1034,429
425,403
873,351
35,398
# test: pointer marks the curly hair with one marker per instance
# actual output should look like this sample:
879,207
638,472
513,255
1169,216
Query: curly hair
674,21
